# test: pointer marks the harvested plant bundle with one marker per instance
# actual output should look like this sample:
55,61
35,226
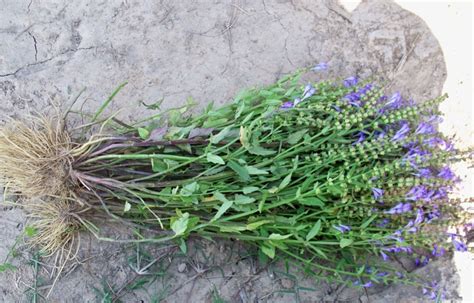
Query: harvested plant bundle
336,177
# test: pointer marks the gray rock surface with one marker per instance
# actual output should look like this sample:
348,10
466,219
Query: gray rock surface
50,50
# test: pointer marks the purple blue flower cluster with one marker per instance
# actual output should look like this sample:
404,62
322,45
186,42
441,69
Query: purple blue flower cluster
342,228
351,81
458,245
309,91
402,132
354,98
395,173
400,208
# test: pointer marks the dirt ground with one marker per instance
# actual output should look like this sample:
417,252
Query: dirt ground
51,50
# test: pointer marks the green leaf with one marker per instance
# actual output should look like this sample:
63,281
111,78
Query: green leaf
182,246
107,102
214,122
345,242
215,159
185,147
249,189
143,133
366,223
180,225
296,136
244,137
273,102
314,231
158,165
260,151
261,204
319,252
278,237
7,266
266,93
268,250
298,193
284,183
126,207
255,225
154,106
232,228
255,171
312,201
247,119
241,199
361,270
239,169
239,110
220,136
189,189
220,197
224,207
30,231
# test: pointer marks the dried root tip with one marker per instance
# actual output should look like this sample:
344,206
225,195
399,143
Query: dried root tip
35,157
56,223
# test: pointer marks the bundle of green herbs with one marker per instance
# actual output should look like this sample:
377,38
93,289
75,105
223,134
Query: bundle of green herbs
335,177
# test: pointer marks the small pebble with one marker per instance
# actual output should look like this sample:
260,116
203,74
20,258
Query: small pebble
182,267
287,283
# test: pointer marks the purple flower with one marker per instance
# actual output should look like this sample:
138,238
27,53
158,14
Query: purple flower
309,90
440,193
446,173
401,133
424,129
437,251
322,66
380,134
353,99
417,262
361,138
410,227
395,101
447,145
368,284
433,141
288,104
396,238
337,108
435,119
399,208
414,152
383,223
296,101
384,256
342,228
425,261
423,173
351,81
435,214
377,193
417,193
459,246
419,216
